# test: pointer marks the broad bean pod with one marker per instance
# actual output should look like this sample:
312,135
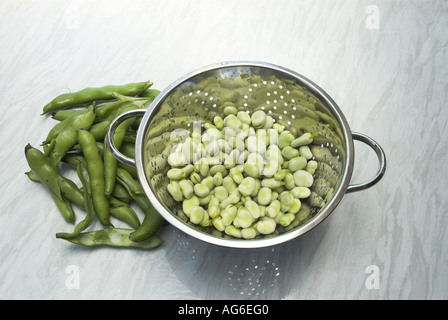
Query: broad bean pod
115,237
95,167
93,94
50,176
152,220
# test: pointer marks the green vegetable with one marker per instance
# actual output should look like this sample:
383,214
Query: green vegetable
90,212
110,162
49,175
77,139
115,237
95,167
68,136
303,178
152,220
94,94
64,206
124,212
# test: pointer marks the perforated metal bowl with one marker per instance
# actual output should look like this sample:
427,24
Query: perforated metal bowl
292,100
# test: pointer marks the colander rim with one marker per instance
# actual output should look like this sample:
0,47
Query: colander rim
244,243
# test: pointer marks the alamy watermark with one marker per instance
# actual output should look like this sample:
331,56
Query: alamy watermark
72,17
373,17
373,278
73,280
237,145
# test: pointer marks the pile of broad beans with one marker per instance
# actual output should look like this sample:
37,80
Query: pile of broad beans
106,189
243,175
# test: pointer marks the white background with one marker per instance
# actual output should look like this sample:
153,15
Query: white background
386,69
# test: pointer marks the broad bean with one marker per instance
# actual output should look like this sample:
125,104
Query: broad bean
266,226
208,182
297,163
186,187
228,215
265,196
304,139
280,175
285,139
305,152
270,169
213,208
295,207
311,166
221,193
271,183
273,209
217,179
189,204
289,152
286,219
201,190
286,200
175,190
303,178
247,186
248,233
253,208
236,175
301,192
218,224
243,218
244,117
232,231
233,198
258,119
197,215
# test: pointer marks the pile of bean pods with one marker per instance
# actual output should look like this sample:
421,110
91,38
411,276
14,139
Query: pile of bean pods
106,187
265,173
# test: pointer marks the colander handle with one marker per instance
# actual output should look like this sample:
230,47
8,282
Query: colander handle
381,158
111,132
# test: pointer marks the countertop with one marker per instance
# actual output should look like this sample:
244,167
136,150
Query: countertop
383,62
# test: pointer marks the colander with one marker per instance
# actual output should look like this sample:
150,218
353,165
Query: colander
293,101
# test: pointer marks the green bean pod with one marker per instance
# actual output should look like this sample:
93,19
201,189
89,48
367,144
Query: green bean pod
110,162
115,237
86,95
119,201
64,207
120,193
68,136
150,93
70,191
95,169
50,176
99,130
90,212
124,212
109,110
64,142
61,115
153,220
82,119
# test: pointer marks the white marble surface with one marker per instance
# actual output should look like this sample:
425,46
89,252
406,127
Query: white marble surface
385,64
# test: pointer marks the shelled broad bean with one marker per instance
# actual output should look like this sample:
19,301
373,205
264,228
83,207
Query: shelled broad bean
263,174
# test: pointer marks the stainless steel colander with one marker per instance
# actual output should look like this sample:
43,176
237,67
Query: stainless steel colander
290,99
